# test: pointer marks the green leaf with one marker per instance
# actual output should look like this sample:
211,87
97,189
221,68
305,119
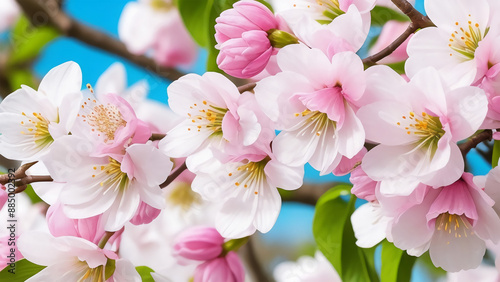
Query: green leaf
145,273
396,264
496,153
110,268
398,67
334,235
195,15
20,76
381,15
28,41
33,196
23,270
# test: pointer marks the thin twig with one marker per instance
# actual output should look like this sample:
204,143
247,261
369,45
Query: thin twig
18,174
157,136
371,60
485,135
247,87
48,13
415,16
174,175
417,21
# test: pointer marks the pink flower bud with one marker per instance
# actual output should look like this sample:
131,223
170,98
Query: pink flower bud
228,269
90,228
246,56
199,243
242,34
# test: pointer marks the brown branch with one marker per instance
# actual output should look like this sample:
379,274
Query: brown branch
415,16
157,136
18,174
174,175
253,262
371,60
417,21
247,87
34,178
48,13
485,135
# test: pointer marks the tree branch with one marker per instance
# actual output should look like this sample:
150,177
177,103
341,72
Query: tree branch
484,135
371,60
253,262
48,12
415,16
174,175
417,21
247,87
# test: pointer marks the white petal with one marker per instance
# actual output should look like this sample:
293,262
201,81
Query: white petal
61,80
369,225
284,176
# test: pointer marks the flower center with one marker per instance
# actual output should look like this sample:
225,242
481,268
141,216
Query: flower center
207,116
183,196
103,120
319,121
427,128
457,226
464,41
160,5
38,127
111,176
332,9
250,175
93,274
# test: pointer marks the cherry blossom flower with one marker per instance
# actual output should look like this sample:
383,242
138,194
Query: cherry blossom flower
72,259
453,46
158,115
31,120
227,268
105,185
156,25
110,124
334,37
313,102
453,222
418,124
247,192
216,116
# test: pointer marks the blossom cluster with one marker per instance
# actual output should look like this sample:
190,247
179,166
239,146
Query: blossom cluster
314,102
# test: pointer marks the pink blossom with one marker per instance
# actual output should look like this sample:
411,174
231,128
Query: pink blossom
246,191
417,124
199,243
453,222
156,25
110,124
104,185
453,46
313,102
90,229
242,37
71,259
215,116
228,268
